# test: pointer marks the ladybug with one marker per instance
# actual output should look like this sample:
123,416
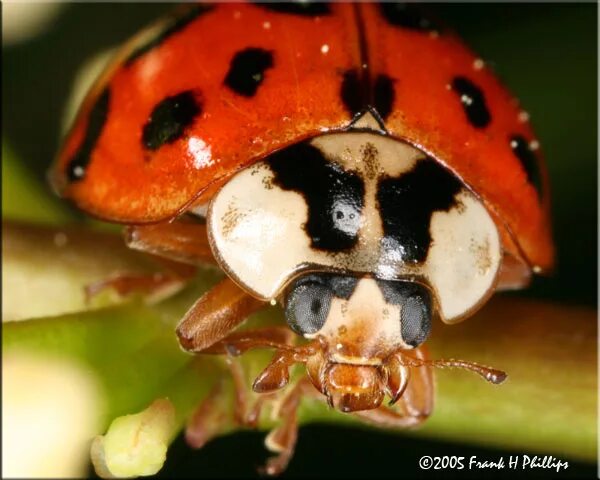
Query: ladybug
355,163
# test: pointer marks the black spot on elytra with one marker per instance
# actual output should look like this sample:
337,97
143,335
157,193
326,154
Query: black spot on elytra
383,95
96,120
406,204
335,197
247,70
169,119
351,92
407,15
415,308
473,102
528,160
305,9
176,25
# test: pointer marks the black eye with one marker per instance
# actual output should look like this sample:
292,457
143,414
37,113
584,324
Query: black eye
415,309
307,306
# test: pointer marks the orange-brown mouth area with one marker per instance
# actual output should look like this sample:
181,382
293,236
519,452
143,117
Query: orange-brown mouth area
350,388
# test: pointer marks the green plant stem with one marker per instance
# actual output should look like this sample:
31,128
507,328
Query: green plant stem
547,405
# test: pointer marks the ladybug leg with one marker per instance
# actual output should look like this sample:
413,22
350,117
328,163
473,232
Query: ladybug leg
211,418
279,338
179,241
282,439
156,285
245,412
215,315
237,343
276,374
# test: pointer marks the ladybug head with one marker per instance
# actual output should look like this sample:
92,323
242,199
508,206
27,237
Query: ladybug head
364,336
359,323
359,317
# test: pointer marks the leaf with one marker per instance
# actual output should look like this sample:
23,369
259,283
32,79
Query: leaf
23,198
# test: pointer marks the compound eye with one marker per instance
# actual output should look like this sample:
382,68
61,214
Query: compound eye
415,309
307,306
415,321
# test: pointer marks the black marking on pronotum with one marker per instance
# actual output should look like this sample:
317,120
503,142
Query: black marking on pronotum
176,25
169,119
473,102
415,308
407,15
407,203
352,92
247,70
383,95
96,120
528,160
305,9
334,197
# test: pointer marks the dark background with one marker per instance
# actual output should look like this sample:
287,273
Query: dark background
545,53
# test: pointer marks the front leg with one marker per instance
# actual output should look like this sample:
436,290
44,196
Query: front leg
215,315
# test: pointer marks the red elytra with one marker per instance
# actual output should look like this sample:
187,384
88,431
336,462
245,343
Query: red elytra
300,96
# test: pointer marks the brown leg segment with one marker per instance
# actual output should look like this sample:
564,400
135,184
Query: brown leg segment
276,374
282,439
278,338
212,417
178,241
209,419
158,285
215,315
244,412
